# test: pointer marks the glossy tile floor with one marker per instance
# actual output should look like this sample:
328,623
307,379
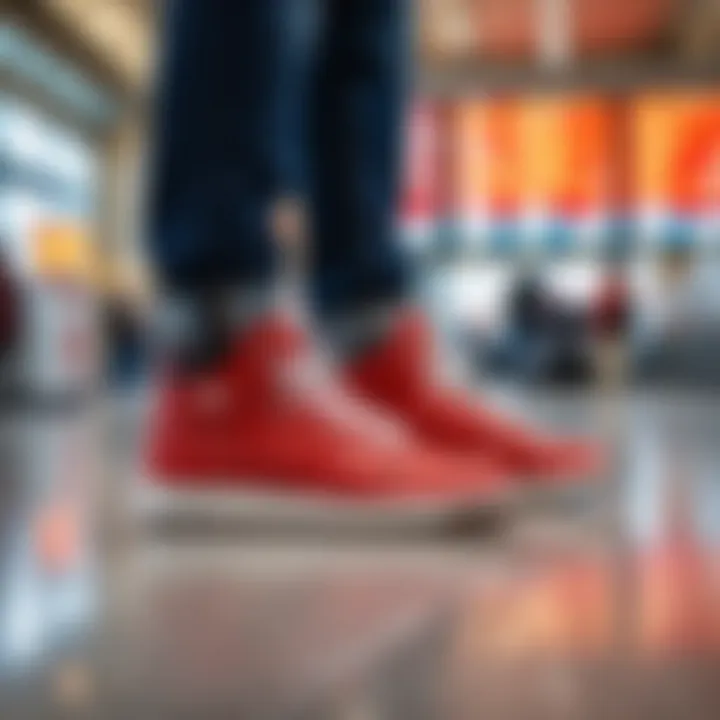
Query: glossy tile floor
608,609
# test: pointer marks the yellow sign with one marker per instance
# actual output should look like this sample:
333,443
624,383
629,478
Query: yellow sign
63,250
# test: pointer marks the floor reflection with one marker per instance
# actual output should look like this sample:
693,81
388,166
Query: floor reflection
612,609
48,582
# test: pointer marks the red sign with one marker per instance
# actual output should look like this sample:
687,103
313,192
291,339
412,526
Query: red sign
677,158
420,197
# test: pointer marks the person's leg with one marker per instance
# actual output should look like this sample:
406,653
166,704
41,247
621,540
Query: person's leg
218,156
356,125
361,273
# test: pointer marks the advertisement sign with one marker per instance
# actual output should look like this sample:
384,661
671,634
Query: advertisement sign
566,184
487,172
63,250
677,166
533,170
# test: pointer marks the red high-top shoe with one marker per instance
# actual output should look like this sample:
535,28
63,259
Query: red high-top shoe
258,437
400,377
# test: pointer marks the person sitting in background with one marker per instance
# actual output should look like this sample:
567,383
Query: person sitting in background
546,335
529,308
611,317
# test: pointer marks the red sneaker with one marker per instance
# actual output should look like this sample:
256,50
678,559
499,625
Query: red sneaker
399,376
257,437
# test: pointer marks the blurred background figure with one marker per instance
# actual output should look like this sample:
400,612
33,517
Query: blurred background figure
126,312
529,310
545,335
611,317
9,308
10,328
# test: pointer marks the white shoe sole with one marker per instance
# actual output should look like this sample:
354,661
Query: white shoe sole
559,497
248,509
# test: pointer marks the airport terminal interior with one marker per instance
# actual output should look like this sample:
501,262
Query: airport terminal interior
561,202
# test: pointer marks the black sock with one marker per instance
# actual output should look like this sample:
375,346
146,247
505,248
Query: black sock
196,330
353,333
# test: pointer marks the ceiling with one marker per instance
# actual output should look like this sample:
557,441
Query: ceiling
117,30
504,30
120,33
512,29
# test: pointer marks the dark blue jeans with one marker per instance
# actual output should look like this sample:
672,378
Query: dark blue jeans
255,102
